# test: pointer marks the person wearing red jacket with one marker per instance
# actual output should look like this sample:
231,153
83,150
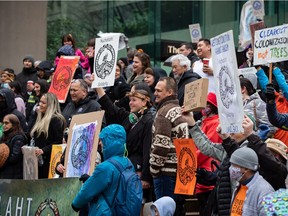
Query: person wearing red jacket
210,121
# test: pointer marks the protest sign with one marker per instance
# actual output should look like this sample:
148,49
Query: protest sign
249,73
38,197
62,77
229,97
271,45
254,27
30,163
186,166
56,154
105,59
247,17
195,32
81,150
258,8
195,96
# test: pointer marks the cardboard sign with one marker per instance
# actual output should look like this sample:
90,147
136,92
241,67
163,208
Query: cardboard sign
254,27
271,45
82,144
195,97
56,153
38,197
105,59
195,32
63,76
186,166
30,163
229,97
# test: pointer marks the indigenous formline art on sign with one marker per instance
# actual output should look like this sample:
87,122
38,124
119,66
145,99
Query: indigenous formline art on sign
105,60
187,167
62,78
81,149
48,207
56,153
227,89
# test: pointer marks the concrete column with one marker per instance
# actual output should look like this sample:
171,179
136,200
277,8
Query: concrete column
23,28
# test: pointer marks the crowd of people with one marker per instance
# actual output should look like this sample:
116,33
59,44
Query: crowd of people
143,116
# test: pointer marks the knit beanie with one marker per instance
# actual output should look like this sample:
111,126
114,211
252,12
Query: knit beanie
66,50
245,157
30,58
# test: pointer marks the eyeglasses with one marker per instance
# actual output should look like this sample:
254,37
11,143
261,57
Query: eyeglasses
6,123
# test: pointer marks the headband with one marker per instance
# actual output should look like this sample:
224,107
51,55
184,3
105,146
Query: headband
138,94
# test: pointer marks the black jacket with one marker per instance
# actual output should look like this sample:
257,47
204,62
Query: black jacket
118,92
270,168
13,167
139,135
12,108
55,136
187,77
84,106
193,57
25,75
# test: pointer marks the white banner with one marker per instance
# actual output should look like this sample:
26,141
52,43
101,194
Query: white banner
195,32
248,17
105,59
258,9
229,97
270,45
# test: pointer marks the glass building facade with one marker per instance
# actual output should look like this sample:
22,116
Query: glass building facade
150,25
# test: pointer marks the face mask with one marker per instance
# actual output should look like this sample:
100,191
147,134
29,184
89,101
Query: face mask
206,111
235,173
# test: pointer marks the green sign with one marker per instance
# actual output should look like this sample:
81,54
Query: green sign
38,197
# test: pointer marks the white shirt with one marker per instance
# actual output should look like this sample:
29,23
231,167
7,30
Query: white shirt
198,68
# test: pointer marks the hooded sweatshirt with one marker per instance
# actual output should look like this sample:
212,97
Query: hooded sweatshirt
11,108
105,176
25,75
165,205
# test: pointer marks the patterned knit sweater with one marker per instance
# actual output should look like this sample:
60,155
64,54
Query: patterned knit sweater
168,125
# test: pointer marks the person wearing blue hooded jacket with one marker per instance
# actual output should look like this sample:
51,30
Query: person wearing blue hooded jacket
104,180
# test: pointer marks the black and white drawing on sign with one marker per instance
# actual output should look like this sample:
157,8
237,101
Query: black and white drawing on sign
104,61
227,88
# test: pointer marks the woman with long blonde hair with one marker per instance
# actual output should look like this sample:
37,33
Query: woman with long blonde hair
48,130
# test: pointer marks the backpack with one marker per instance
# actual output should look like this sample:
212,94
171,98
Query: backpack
127,200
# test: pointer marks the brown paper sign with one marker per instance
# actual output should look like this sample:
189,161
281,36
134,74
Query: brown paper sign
195,97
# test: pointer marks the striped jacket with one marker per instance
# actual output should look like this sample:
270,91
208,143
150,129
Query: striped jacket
168,125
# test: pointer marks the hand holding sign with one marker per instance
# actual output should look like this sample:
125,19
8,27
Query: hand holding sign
248,126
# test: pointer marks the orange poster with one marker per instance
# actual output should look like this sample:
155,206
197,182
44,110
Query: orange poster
63,76
56,154
186,167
